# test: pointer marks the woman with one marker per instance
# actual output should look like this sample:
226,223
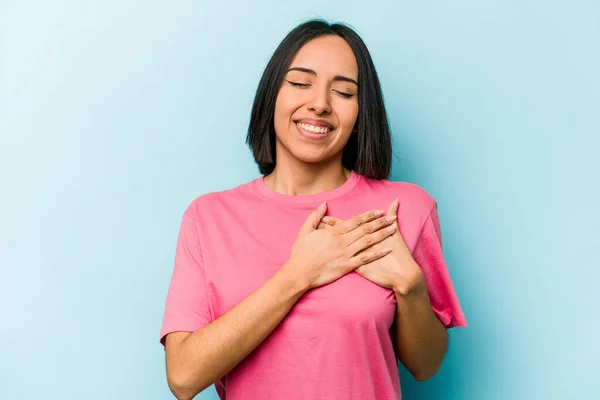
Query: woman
302,284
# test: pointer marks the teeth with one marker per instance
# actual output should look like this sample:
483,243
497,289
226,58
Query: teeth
312,128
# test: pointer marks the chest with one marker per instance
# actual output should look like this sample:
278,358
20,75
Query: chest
238,258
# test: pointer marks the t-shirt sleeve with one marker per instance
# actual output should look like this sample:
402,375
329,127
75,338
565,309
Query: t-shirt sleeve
428,254
187,307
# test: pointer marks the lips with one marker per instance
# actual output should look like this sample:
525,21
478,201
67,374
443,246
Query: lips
313,128
312,131
315,122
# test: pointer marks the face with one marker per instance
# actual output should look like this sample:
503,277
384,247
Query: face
317,104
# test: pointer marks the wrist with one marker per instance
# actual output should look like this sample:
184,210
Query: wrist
294,278
415,287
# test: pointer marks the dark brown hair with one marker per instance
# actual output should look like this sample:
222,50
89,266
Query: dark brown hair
369,148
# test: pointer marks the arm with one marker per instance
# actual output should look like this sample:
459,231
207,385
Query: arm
422,316
426,308
420,338
196,360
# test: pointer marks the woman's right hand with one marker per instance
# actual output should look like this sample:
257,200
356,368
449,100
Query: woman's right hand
325,255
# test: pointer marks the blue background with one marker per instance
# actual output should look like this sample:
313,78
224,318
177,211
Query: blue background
115,115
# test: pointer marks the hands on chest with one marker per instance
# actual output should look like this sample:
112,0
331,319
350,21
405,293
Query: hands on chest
370,244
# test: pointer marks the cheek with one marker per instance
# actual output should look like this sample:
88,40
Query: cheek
285,102
348,114
283,110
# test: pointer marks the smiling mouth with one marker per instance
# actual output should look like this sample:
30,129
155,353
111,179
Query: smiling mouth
321,130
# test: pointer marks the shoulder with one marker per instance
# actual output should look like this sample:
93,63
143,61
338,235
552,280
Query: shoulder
212,202
409,194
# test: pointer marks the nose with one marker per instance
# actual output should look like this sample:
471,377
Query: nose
320,103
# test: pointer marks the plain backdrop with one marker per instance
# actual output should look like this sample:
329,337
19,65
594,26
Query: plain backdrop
115,115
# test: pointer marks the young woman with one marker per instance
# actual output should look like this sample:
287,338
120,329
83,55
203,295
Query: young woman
313,280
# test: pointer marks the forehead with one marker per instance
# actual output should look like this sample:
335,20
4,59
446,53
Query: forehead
328,54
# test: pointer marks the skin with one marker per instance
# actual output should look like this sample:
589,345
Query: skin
324,250
307,166
420,339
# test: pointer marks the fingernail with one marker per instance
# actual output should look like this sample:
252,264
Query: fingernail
386,250
378,213
390,218
391,229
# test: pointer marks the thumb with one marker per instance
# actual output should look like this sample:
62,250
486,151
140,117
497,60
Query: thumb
393,208
313,219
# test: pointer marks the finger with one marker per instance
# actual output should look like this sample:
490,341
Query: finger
327,221
393,208
313,219
371,239
368,256
324,226
369,228
333,221
359,220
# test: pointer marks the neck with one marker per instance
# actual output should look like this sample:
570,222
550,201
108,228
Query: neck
306,179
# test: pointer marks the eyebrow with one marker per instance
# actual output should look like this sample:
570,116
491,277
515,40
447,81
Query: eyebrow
335,78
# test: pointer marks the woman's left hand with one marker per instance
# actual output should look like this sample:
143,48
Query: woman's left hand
397,270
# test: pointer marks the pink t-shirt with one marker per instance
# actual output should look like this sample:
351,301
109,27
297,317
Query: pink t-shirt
335,343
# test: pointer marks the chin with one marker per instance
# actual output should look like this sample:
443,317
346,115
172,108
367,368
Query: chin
310,157
309,153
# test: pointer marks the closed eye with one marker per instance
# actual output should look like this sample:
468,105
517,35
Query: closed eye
344,94
300,85
307,85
